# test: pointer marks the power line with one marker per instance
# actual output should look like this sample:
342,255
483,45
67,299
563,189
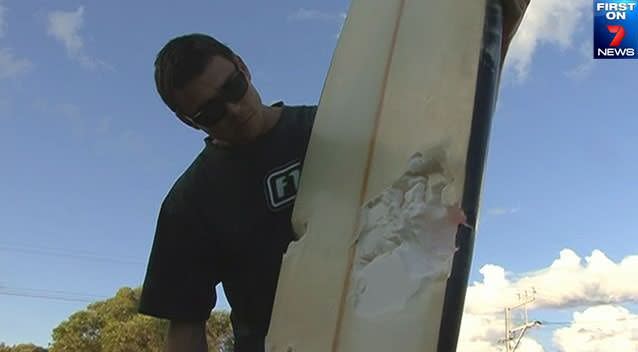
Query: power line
38,246
40,250
48,291
595,322
58,295
41,296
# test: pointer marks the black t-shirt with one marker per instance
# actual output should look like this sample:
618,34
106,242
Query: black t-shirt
227,219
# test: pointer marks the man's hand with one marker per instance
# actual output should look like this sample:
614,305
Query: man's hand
513,12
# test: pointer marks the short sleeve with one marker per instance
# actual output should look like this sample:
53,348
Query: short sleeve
181,276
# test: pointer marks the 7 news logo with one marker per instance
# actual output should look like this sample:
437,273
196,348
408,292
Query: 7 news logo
615,29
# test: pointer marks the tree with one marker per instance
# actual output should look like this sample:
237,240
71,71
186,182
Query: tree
81,332
219,332
139,333
113,325
25,347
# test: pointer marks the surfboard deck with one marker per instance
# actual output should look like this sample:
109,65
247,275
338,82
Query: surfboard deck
398,146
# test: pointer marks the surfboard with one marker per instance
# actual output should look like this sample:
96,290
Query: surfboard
388,200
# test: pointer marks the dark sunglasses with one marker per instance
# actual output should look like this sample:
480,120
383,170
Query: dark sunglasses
214,109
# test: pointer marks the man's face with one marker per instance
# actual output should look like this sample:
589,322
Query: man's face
241,117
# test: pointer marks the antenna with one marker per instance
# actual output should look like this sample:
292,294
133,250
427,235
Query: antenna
514,334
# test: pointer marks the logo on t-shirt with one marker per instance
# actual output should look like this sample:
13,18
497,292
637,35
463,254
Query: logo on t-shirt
282,184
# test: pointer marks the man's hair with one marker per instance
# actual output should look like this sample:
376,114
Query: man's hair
181,60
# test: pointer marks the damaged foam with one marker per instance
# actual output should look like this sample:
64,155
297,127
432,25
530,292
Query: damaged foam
406,237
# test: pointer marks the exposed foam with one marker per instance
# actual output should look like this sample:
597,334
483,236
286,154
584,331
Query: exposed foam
406,237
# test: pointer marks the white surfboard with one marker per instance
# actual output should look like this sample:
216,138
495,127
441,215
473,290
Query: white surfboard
398,145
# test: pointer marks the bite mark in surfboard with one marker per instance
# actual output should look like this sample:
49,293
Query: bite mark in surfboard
406,237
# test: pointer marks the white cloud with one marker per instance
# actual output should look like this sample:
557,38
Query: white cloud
65,26
567,282
570,281
309,14
583,69
3,20
502,211
481,333
484,333
12,66
546,21
304,14
600,328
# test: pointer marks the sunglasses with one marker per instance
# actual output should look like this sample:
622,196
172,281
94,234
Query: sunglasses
213,110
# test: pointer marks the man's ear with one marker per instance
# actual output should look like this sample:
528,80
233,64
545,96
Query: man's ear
242,66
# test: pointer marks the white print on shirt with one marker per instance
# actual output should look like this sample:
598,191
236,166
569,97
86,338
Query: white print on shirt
282,184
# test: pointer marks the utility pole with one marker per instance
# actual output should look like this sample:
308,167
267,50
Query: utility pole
515,333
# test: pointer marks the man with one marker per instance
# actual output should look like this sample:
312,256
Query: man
227,218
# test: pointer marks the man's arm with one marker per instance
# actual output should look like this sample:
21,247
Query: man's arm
186,337
181,277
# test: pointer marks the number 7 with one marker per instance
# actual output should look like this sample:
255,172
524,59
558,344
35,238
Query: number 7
620,33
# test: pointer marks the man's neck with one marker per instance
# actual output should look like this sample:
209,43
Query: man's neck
270,117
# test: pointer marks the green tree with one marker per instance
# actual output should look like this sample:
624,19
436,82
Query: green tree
29,347
79,333
25,347
139,333
219,332
113,325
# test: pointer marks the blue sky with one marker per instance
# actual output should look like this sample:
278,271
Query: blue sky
89,151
